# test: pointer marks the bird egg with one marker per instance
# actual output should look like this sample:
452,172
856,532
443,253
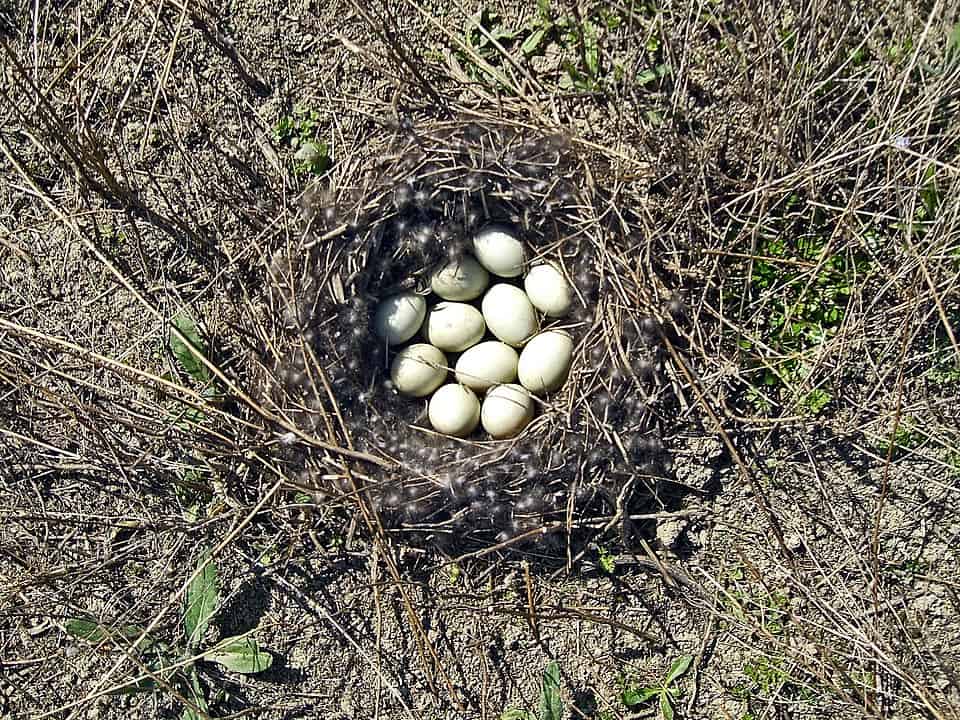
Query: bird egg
509,314
398,317
418,370
454,326
487,364
548,290
460,279
454,410
506,411
499,250
545,361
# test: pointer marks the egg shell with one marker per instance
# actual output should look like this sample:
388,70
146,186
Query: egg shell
548,290
509,314
506,410
545,361
454,410
487,364
461,279
418,370
398,317
499,250
453,326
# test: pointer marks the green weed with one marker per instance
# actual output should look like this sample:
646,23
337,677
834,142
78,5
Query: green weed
746,602
925,212
944,368
608,561
665,692
908,568
577,37
768,677
175,666
906,437
953,45
299,132
194,489
551,704
804,287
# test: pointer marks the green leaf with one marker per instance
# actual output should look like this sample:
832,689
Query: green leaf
202,596
534,41
145,685
816,400
679,667
591,50
188,353
313,157
635,696
193,491
240,654
195,693
651,74
94,632
666,709
953,44
607,561
148,684
930,194
517,714
551,704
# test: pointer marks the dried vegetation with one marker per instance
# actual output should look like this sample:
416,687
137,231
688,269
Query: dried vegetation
758,208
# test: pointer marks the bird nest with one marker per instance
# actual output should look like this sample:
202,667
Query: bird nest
595,455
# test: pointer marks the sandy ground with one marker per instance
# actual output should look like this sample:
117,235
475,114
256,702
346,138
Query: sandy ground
808,566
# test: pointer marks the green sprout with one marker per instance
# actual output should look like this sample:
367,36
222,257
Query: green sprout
551,704
665,693
299,133
175,666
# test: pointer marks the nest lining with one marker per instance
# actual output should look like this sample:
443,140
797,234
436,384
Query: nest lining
593,454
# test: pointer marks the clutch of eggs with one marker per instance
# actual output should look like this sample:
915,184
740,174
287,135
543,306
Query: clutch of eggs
495,377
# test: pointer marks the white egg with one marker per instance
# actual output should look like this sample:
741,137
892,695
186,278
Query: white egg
499,250
509,314
545,361
487,364
453,326
506,411
418,370
454,410
548,290
398,317
463,279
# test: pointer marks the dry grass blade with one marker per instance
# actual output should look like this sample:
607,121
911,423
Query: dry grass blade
754,463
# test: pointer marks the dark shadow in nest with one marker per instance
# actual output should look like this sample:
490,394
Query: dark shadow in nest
594,461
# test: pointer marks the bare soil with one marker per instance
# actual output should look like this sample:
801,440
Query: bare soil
806,554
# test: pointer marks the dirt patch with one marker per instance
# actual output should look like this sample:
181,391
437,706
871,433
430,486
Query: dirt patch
792,178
